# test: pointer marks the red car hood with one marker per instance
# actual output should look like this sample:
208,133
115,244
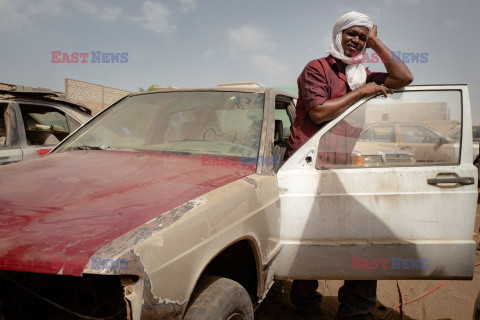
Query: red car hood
71,204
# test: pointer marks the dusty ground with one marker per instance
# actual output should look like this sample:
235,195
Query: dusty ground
455,300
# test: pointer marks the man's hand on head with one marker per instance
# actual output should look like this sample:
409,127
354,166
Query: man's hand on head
398,73
372,35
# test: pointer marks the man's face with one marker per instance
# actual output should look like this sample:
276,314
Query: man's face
353,40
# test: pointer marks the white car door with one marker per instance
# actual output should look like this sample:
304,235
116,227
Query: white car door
381,220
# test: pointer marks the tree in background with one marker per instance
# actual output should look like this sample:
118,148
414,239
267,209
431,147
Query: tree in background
153,87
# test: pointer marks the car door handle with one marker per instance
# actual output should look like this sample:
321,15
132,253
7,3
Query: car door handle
459,180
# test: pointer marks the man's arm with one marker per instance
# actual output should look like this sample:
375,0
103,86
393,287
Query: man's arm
398,73
331,109
398,76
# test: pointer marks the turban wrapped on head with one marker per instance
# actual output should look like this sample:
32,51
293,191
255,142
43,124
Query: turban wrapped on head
355,72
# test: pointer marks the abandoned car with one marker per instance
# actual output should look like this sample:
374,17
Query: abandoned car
427,144
34,120
171,203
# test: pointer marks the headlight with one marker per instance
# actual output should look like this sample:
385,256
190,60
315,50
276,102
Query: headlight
372,159
358,159
364,160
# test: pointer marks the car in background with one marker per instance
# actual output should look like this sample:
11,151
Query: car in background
364,154
454,137
369,155
34,120
427,145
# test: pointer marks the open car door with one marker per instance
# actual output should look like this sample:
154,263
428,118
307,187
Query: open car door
382,214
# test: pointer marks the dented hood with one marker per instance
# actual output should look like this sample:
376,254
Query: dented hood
67,206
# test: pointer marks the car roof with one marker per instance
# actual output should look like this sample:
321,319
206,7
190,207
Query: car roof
222,89
16,92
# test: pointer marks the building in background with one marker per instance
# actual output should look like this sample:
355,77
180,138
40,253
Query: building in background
95,96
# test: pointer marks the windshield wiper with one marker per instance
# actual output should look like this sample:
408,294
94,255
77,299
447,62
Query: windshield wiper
101,147
87,147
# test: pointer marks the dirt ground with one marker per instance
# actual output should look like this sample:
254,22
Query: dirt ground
455,300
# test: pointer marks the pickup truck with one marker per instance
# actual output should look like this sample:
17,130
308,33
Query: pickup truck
180,204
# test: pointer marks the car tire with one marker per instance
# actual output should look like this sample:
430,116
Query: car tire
217,298
476,309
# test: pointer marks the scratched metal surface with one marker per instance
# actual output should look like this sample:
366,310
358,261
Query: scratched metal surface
55,213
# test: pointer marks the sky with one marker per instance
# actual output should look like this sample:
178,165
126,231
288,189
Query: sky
199,43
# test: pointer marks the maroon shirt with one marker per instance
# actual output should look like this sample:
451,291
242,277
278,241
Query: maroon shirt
321,80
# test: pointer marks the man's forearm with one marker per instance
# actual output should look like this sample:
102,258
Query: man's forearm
399,74
333,108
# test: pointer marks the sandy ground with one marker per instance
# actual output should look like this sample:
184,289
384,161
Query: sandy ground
455,300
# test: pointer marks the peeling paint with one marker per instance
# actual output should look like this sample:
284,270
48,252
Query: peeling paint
122,248
151,307
129,240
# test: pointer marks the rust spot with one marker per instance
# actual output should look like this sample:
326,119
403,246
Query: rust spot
129,290
168,311
152,307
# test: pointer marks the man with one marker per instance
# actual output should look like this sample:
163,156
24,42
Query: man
327,87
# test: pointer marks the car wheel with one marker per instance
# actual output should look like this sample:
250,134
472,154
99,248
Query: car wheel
476,309
217,298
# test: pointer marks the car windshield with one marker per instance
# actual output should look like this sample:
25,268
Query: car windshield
187,123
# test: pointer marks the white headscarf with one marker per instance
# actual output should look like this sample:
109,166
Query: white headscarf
356,74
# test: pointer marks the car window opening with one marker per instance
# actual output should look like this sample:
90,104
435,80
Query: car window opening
44,126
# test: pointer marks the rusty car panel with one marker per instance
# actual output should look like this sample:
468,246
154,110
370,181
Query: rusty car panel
191,235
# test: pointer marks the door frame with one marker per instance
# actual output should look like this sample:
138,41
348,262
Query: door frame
302,162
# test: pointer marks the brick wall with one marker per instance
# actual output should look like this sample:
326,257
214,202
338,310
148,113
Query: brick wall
94,96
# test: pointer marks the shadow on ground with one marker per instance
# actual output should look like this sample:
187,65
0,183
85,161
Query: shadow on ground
277,306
